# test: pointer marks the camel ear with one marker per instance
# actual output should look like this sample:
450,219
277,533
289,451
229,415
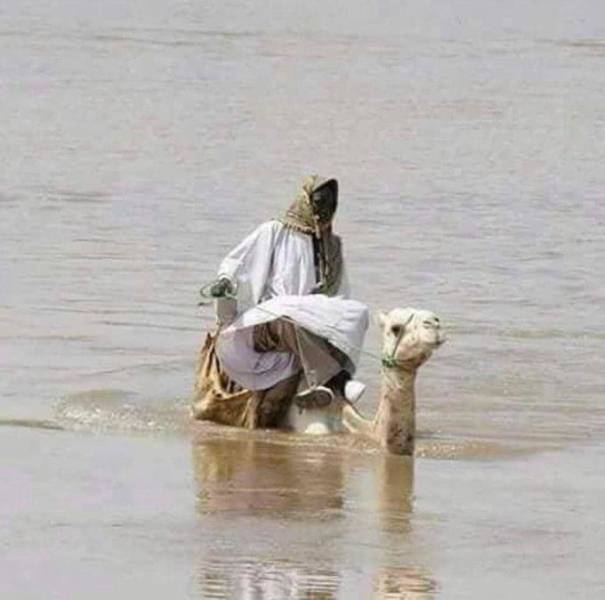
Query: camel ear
381,319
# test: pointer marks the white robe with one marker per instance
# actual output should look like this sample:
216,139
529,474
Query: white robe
274,271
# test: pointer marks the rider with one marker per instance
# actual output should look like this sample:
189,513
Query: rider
285,320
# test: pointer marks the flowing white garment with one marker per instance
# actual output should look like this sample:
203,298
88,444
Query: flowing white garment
274,271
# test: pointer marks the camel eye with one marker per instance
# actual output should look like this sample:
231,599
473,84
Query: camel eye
396,330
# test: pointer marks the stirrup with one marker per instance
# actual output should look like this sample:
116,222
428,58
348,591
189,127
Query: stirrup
314,397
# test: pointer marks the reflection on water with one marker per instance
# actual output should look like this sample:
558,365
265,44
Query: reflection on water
256,476
259,579
295,521
288,579
403,583
395,488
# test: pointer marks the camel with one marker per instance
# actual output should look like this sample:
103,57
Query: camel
409,338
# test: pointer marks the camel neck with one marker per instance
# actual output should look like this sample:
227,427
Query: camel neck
395,423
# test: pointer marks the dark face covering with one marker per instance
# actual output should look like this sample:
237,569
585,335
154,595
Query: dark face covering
323,203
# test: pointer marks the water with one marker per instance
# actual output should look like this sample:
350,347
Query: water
141,140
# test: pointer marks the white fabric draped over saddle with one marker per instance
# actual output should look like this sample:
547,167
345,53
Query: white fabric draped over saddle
274,271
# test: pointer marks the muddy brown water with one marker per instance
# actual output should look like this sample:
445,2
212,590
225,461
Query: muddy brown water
141,140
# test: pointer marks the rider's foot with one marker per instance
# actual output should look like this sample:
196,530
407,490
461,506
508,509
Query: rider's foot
354,390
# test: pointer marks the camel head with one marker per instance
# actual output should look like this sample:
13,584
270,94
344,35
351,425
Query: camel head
410,336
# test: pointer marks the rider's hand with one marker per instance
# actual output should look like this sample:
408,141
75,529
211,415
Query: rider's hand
221,288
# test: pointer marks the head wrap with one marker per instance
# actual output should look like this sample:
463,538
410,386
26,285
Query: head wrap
302,217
